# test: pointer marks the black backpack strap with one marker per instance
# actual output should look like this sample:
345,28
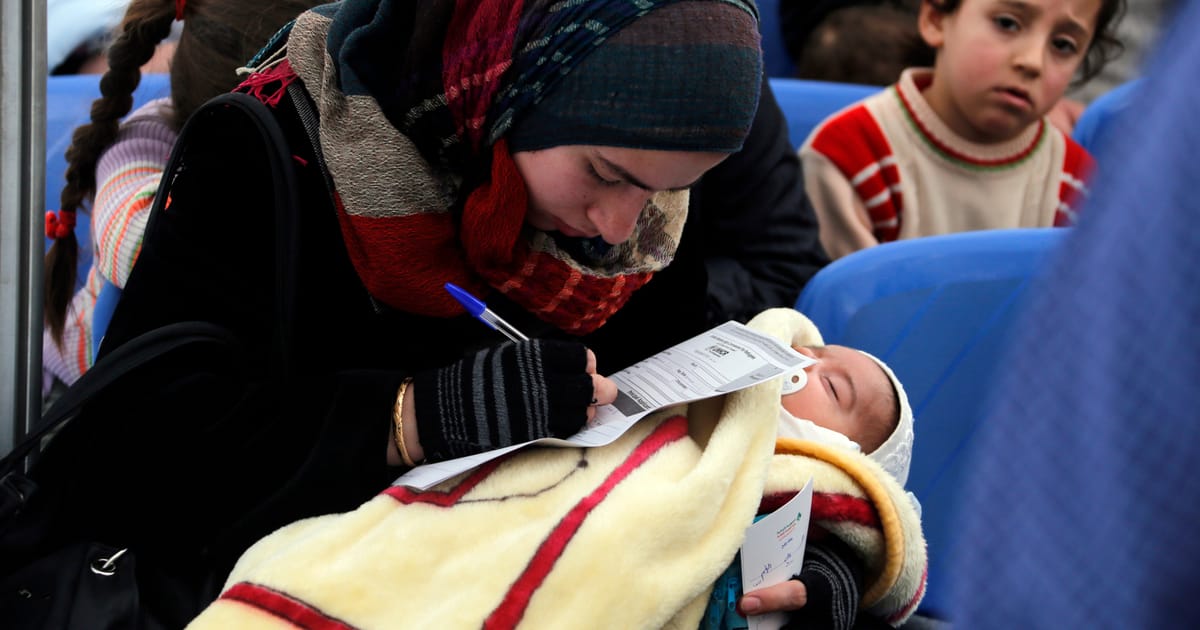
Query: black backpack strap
111,368
259,128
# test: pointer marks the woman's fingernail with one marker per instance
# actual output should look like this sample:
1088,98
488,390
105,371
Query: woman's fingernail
749,605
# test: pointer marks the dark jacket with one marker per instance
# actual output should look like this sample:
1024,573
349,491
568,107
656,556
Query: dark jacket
755,224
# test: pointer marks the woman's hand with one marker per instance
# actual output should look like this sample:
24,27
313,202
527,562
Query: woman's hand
785,596
504,395
604,390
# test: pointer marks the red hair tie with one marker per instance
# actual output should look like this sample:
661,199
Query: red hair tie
59,224
179,9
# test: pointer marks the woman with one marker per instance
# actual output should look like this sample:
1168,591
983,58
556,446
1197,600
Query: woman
537,154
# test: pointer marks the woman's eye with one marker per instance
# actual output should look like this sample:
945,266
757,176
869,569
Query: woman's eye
1006,22
600,179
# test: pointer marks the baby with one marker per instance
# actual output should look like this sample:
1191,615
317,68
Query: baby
849,400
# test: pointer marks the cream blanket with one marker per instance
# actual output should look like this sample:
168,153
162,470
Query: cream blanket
630,535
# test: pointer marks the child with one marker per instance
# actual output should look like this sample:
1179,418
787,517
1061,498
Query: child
964,145
116,165
848,400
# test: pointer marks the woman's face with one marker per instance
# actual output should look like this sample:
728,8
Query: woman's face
585,191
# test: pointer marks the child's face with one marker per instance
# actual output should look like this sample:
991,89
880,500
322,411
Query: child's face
1002,64
846,392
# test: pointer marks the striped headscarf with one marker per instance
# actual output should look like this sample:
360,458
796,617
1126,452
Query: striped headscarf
417,100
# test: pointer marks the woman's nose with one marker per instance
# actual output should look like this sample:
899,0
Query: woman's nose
615,216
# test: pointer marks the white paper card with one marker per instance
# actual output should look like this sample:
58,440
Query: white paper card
774,551
721,360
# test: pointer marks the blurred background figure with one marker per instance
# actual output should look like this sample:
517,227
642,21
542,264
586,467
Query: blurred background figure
1082,509
78,33
853,41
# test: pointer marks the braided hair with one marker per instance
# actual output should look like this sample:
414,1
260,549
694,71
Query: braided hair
218,37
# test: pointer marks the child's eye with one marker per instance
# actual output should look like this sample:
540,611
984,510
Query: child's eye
599,179
1065,46
1006,23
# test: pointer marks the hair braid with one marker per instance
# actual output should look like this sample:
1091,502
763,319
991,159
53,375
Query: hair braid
146,24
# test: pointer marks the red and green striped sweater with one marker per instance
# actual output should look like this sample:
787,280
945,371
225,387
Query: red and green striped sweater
887,168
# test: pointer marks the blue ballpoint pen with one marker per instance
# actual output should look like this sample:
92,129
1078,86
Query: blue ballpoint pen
481,312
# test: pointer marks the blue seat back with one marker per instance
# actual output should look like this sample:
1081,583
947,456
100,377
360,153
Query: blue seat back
1097,120
68,105
806,103
939,311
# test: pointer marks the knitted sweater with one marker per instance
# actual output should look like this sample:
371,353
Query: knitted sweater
127,177
888,168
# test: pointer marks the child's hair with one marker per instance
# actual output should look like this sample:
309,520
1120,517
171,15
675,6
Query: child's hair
1103,48
867,44
218,37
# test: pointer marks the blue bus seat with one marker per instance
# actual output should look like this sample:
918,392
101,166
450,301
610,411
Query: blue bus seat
1097,120
939,311
806,103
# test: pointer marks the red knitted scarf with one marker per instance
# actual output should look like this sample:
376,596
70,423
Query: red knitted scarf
404,261
395,209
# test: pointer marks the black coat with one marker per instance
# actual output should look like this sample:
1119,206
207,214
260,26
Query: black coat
754,224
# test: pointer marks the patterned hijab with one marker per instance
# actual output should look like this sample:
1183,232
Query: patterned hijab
417,101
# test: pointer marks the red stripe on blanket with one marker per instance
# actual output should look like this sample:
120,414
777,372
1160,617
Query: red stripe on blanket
513,607
828,507
444,498
912,604
283,606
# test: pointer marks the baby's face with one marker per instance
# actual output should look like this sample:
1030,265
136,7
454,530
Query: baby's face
846,392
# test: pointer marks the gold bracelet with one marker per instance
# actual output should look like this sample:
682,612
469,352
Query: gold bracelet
398,423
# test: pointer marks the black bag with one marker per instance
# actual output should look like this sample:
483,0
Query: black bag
52,579
63,562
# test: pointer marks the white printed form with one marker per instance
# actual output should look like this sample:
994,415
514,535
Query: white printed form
774,551
722,360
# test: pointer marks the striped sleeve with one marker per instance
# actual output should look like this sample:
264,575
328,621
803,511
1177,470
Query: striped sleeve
1078,167
68,360
853,141
127,177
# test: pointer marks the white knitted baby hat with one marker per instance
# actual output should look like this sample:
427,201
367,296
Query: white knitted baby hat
895,454
792,327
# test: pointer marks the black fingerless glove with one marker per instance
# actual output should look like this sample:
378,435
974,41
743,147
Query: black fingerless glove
833,577
504,395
